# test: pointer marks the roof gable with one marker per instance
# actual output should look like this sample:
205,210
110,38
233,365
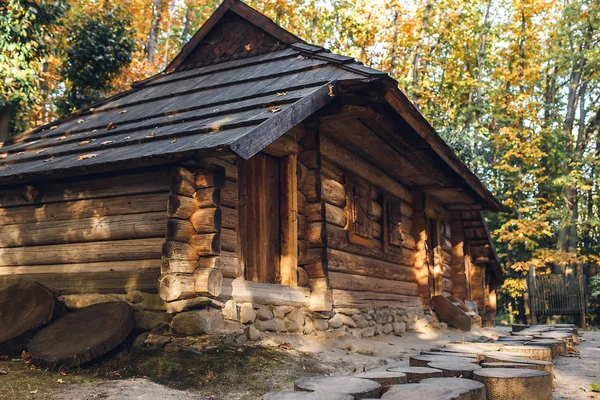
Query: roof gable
233,31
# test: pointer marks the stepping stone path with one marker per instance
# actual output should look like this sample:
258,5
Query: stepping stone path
81,336
455,369
474,390
423,360
515,367
25,308
416,374
358,387
384,378
515,383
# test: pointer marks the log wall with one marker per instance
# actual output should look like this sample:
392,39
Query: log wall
99,234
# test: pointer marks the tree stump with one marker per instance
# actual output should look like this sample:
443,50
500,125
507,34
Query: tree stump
511,365
25,308
559,347
446,354
515,383
416,374
513,339
81,336
306,396
546,366
474,390
455,369
358,387
538,352
423,360
384,378
508,354
424,392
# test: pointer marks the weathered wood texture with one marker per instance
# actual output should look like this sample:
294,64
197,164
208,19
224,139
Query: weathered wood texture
96,235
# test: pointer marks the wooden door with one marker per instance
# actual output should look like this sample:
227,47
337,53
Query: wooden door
259,218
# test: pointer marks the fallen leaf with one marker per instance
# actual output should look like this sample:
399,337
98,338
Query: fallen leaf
116,373
40,151
60,381
286,346
86,156
33,391
127,138
25,355
61,137
331,93
3,155
247,47
53,128
275,109
49,159
107,142
92,108
79,121
83,143
282,93
122,111
300,57
111,126
3,371
20,153
95,130
151,134
174,140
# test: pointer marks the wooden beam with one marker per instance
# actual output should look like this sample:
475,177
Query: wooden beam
288,263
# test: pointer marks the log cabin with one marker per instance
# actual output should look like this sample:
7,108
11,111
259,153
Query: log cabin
255,168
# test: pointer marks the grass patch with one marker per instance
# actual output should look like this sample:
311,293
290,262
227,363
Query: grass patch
595,387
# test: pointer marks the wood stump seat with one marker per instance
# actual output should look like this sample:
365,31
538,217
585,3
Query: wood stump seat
472,389
455,369
515,383
358,387
423,360
416,374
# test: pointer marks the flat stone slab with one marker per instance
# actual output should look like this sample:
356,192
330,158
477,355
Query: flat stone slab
25,308
455,369
358,387
423,360
81,336
473,389
417,391
416,374
288,395
546,366
515,383
384,378
539,352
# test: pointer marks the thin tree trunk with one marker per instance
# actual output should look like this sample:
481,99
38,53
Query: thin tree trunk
417,57
5,117
186,25
153,36
166,50
393,53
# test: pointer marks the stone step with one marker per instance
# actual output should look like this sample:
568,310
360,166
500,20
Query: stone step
416,374
358,387
515,383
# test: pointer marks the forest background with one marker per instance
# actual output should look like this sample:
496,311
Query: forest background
512,85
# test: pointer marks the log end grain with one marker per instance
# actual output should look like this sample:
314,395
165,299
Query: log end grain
358,387
515,383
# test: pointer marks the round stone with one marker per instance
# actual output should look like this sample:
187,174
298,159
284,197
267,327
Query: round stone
455,369
515,383
475,390
416,374
358,387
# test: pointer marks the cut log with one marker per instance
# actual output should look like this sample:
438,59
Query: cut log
209,197
368,284
207,220
359,388
229,195
176,287
332,171
559,347
178,266
416,374
348,298
206,244
339,261
229,218
333,192
302,202
424,360
211,178
471,389
455,369
82,336
312,187
319,395
230,265
539,352
303,277
208,281
418,391
228,240
539,364
182,182
315,236
309,159
179,251
179,230
25,308
180,206
384,378
301,175
515,383
450,313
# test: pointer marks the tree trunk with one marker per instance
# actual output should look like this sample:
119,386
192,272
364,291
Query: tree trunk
417,56
186,26
5,117
153,36
394,45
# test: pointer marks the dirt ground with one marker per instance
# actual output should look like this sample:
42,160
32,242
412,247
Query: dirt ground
225,370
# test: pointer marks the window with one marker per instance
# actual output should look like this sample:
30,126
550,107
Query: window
392,214
360,226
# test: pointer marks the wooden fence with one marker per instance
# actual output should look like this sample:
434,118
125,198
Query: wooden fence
556,294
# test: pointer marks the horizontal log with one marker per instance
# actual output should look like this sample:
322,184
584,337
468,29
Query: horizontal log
335,215
377,230
309,159
102,282
447,271
182,182
131,226
117,250
179,251
362,283
447,284
176,287
214,177
342,157
302,202
303,278
312,186
207,220
302,227
333,192
301,175
79,209
315,269
208,281
269,293
82,189
229,195
376,211
178,266
74,268
283,146
180,207
229,217
337,238
355,299
230,265
207,198
332,171
315,236
348,263
307,255
229,240
206,244
179,230
228,164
